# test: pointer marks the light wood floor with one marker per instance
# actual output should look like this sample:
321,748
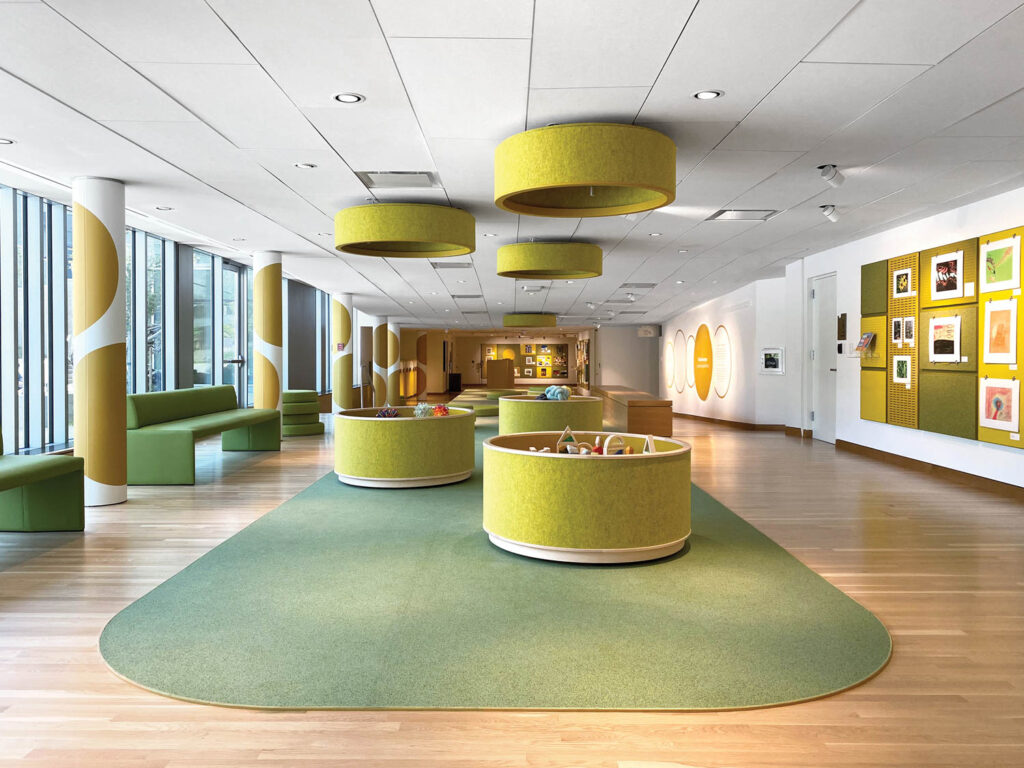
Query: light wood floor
941,564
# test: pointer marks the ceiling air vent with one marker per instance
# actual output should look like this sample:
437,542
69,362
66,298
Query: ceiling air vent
477,312
533,288
451,265
638,286
617,301
467,296
399,179
738,214
633,312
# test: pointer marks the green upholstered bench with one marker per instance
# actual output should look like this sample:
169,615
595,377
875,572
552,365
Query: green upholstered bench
163,428
300,413
41,493
480,405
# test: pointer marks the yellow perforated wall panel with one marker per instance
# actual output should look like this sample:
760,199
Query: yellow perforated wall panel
901,400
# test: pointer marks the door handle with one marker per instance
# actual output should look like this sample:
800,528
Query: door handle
832,369
239,361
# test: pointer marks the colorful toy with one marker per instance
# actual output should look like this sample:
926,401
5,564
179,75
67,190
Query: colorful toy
423,410
556,392
567,439
614,445
440,410
649,445
541,396
387,413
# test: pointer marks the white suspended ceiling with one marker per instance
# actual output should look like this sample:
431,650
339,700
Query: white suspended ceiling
206,106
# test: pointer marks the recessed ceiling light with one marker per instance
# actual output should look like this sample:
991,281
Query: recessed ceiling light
738,214
462,282
412,302
447,310
683,250
501,302
433,293
708,95
305,166
238,239
679,282
325,234
490,234
569,282
654,234
349,98
6,141
164,208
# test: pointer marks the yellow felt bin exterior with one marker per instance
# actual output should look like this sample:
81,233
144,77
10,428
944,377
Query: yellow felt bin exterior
525,413
872,394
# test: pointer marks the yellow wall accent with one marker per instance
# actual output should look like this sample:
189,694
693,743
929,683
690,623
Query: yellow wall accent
703,362
585,169
872,394
901,401
100,430
404,230
267,330
380,361
998,370
549,261
269,389
969,276
342,393
95,258
267,304
877,355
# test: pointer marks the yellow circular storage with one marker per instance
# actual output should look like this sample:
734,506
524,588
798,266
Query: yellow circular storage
403,452
405,230
586,509
550,261
525,413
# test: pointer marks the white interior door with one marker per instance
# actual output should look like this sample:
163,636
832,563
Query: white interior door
824,358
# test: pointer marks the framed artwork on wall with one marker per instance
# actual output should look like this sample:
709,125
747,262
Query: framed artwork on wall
1000,265
529,360
944,339
490,351
997,404
897,330
772,360
515,371
947,275
528,372
528,349
901,283
1000,334
901,369
908,330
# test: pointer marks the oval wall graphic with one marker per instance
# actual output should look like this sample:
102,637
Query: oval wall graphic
722,377
669,365
689,361
679,344
703,357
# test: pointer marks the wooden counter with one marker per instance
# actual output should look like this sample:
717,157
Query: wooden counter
629,410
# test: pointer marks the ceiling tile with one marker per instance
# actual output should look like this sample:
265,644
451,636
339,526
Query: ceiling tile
1004,118
455,18
584,105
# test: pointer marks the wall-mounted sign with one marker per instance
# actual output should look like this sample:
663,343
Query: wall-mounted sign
703,362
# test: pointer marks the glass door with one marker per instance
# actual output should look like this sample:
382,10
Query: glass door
233,329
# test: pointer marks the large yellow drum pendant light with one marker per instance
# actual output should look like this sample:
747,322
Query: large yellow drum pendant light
530,320
404,230
585,169
549,261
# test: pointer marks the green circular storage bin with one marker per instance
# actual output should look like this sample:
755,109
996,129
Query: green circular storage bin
494,394
403,452
586,509
525,413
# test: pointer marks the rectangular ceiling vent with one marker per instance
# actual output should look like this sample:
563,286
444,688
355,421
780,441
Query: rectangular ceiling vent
617,301
477,312
533,288
451,264
466,296
399,179
638,286
633,312
739,214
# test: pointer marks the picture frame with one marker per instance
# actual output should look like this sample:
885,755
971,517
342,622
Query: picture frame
947,275
999,404
489,351
529,360
544,348
909,326
896,334
944,339
866,340
773,360
527,349
903,283
901,369
999,265
528,373
1000,332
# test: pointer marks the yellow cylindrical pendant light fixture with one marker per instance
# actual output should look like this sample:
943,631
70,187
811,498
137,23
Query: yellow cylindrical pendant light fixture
410,230
585,169
549,261
530,320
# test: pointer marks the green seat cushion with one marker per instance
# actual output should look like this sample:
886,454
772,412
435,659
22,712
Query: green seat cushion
480,405
299,396
176,404
215,423
301,418
16,471
294,430
289,409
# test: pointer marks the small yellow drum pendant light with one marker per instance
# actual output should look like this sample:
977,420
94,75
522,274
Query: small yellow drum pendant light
549,261
530,320
585,169
410,230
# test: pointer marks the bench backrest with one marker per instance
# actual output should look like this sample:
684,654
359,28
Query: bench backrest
160,407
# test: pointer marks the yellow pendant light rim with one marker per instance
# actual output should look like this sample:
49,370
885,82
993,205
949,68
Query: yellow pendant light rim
633,164
550,261
404,230
530,320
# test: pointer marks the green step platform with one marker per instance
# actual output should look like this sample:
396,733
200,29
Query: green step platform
300,413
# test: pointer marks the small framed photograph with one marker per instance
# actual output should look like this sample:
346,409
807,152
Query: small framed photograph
772,360
490,350
908,330
544,348
515,372
528,349
528,372
529,360
1000,336
1000,265
897,330
997,404
901,283
901,369
944,339
947,275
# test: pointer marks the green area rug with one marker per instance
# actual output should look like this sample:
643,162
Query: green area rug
361,598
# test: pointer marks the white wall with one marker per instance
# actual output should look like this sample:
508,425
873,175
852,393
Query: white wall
754,316
985,459
619,357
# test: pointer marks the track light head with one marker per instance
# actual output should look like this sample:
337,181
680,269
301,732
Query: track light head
829,212
830,175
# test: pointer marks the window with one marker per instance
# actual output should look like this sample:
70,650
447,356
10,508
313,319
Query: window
202,313
154,317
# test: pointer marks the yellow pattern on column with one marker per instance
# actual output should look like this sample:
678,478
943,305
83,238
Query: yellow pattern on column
341,354
380,361
99,338
421,365
394,385
268,342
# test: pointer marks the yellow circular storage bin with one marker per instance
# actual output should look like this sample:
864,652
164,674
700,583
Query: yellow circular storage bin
403,452
525,413
586,509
